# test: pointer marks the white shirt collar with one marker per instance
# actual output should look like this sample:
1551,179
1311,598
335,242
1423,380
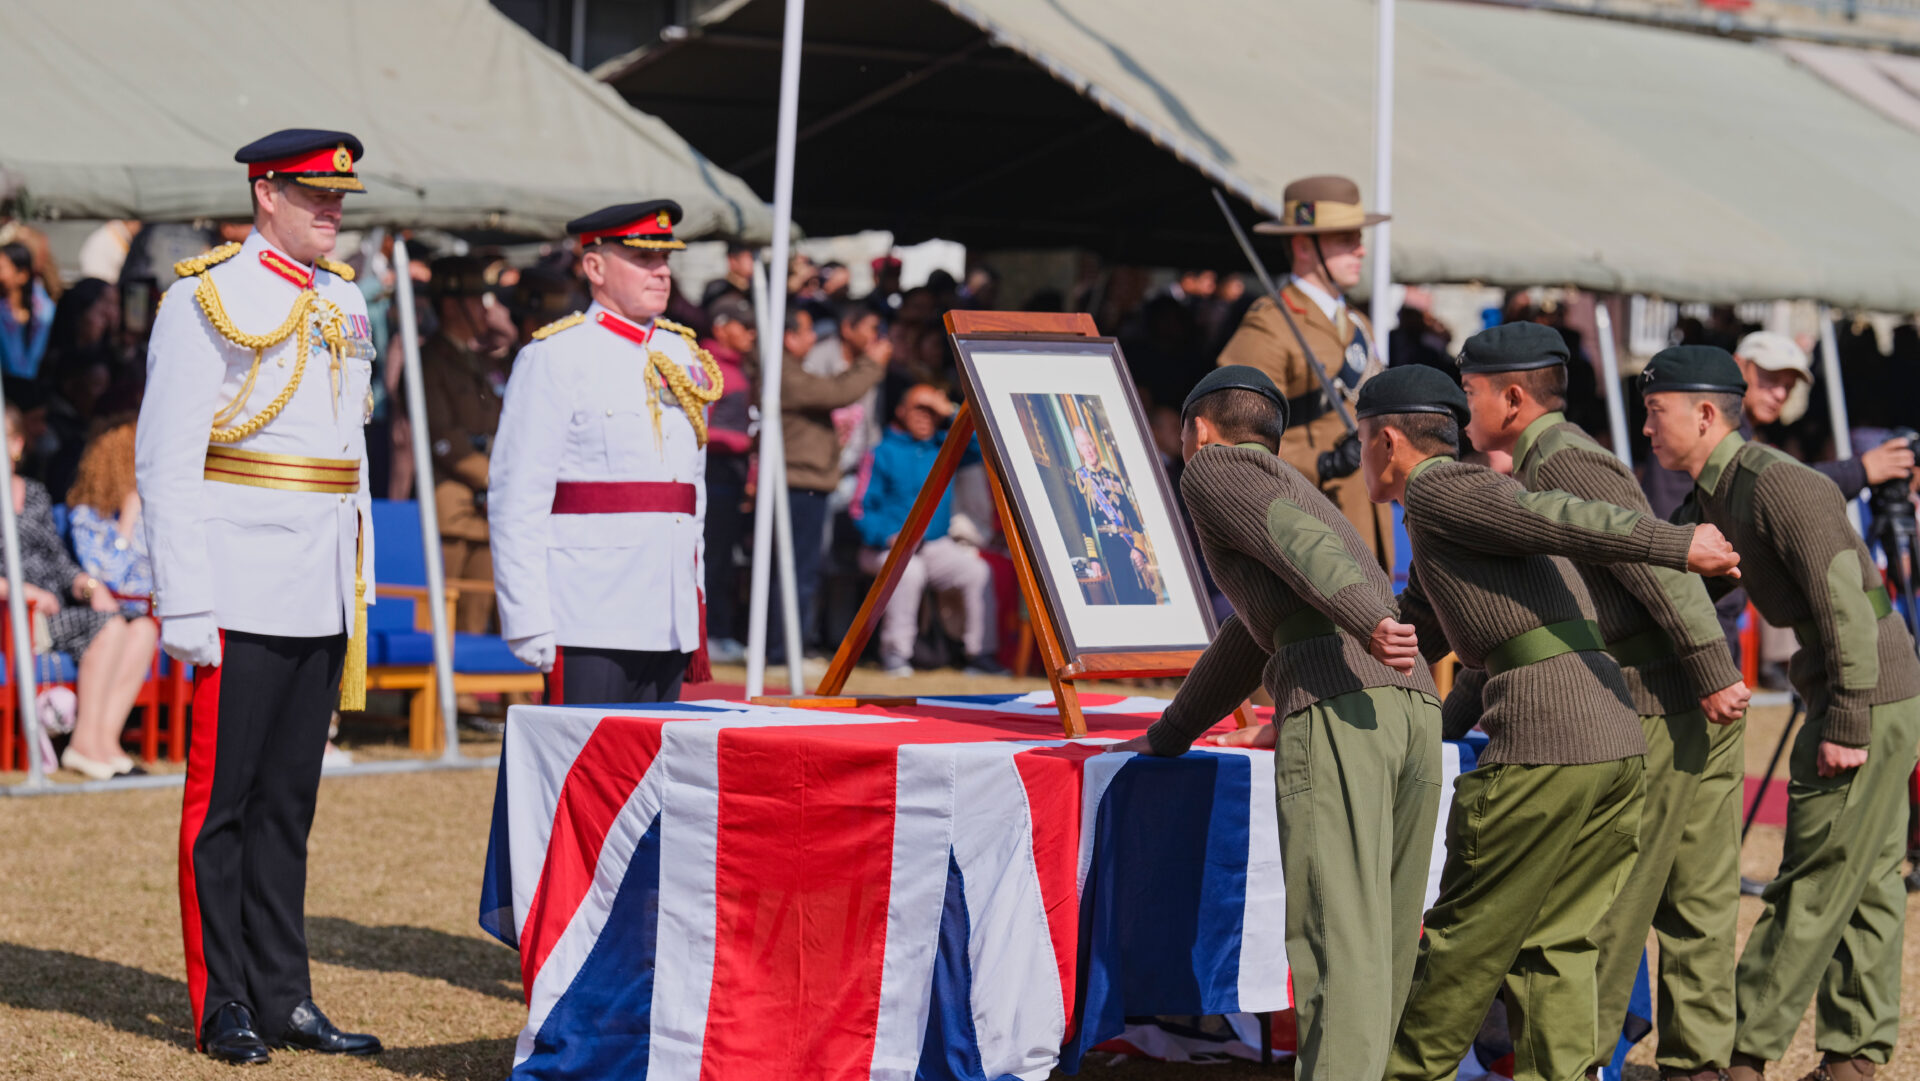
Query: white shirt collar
1329,305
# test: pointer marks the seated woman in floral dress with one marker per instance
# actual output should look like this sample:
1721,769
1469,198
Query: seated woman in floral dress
114,651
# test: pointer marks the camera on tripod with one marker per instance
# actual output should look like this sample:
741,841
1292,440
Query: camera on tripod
1891,501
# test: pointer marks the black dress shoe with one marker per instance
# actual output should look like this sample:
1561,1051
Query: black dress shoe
309,1030
229,1037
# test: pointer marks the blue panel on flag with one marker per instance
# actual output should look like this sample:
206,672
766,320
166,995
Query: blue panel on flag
496,888
1165,896
602,1025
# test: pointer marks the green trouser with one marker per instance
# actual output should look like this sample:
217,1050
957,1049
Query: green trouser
1535,856
1686,887
1835,915
1358,780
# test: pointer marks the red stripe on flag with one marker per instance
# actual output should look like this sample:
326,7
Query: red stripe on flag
603,776
204,746
1053,777
804,863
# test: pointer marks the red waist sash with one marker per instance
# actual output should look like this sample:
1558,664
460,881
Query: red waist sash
623,497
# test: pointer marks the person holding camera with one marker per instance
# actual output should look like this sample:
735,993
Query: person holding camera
1323,224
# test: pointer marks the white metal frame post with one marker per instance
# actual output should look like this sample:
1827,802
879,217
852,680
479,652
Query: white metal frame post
766,506
23,681
772,525
1381,305
1837,402
423,498
1610,371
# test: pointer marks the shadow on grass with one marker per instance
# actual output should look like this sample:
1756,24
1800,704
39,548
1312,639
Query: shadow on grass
475,964
469,1060
130,999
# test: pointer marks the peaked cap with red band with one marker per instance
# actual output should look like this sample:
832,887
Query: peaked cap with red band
308,156
637,225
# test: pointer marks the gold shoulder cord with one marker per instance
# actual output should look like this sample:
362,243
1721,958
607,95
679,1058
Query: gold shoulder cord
332,331
692,397
559,325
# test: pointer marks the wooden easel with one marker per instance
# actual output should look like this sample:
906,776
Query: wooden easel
1063,672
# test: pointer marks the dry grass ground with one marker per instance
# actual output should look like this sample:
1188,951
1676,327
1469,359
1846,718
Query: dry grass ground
91,979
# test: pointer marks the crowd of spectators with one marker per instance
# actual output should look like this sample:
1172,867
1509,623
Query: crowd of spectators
868,385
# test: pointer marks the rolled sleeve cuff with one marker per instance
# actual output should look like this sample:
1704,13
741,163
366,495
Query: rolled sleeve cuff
1710,669
1667,545
1849,721
1358,609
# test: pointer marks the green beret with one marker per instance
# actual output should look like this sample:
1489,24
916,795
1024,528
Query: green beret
1411,388
1513,347
1700,369
1236,377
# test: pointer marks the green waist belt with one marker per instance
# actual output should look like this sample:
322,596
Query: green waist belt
1646,647
1807,631
1544,643
1308,622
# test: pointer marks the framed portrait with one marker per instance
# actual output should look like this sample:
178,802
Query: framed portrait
1058,417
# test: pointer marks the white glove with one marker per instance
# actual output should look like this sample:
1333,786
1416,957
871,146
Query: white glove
535,651
192,639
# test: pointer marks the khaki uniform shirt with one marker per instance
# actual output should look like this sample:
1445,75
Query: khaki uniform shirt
463,392
1263,341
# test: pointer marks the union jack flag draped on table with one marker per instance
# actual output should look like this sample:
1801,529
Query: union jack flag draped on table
947,890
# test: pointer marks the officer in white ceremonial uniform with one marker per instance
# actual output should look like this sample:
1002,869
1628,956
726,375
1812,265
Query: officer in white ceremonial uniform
252,471
597,484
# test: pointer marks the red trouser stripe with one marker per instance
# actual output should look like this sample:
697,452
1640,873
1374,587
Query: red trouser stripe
557,679
204,745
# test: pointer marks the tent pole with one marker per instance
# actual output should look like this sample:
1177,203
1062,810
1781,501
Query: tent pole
1610,371
1381,305
1837,402
423,498
1836,390
772,320
763,508
23,683
789,586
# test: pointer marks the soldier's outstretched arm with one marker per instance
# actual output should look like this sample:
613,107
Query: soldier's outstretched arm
1495,515
1677,600
1221,679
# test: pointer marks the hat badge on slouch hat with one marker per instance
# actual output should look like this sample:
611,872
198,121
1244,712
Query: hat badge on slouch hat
1699,369
1318,205
647,225
311,157
1414,388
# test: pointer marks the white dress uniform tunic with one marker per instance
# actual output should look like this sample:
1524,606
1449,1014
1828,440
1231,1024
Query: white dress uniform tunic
597,490
251,463
597,509
263,560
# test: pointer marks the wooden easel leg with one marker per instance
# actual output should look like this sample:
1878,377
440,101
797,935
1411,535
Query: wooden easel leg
1039,617
1067,697
912,531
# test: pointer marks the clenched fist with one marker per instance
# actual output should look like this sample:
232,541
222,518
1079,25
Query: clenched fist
1394,645
1710,555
